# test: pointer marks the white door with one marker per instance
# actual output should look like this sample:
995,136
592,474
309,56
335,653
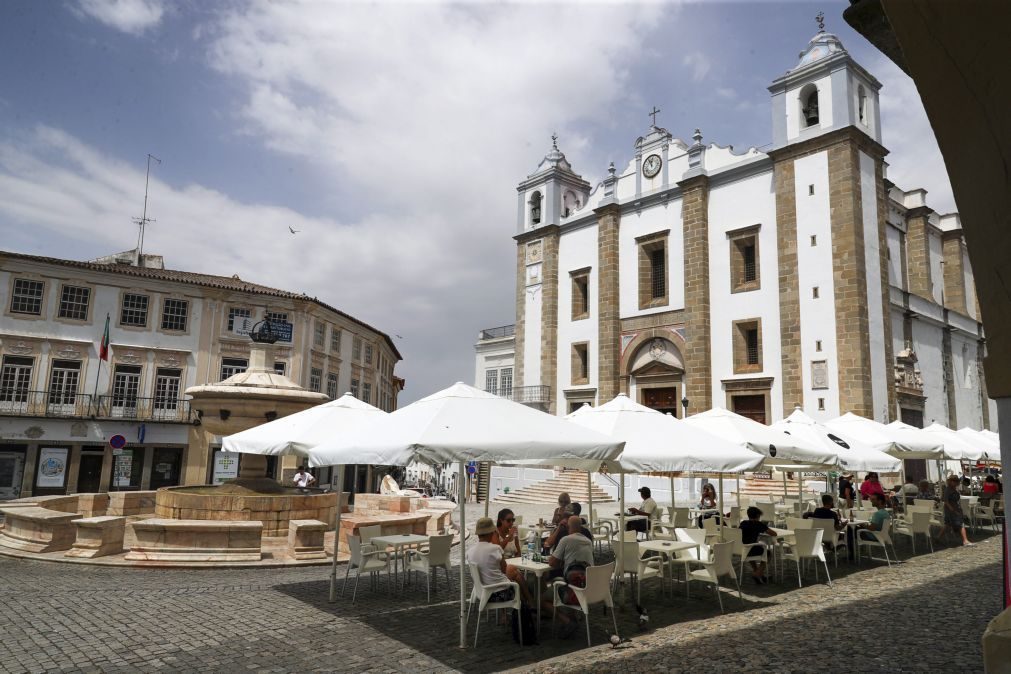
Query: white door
10,474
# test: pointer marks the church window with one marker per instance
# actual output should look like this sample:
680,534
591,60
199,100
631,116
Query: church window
810,190
580,294
809,105
747,338
658,273
821,404
535,208
862,105
580,363
744,260
817,345
814,239
653,270
570,203
814,293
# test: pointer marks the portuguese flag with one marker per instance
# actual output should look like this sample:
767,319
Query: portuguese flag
103,350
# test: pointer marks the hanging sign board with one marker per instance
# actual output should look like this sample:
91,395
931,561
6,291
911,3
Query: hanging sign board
226,467
52,467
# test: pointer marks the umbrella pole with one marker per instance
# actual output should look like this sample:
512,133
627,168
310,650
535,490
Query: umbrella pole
337,534
721,506
463,557
800,491
672,502
589,498
621,530
785,490
738,490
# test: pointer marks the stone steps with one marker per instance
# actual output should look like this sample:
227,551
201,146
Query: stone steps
547,491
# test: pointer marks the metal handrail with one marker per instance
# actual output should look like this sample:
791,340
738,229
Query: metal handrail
25,403
72,405
527,394
501,331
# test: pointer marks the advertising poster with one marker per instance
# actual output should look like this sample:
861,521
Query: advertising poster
226,466
52,467
123,468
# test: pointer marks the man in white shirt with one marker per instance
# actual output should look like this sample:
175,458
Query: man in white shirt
490,562
303,479
648,507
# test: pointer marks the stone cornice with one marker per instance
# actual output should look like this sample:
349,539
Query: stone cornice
538,233
748,384
827,140
696,181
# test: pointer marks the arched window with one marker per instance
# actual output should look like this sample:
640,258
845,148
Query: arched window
535,208
569,203
809,105
862,104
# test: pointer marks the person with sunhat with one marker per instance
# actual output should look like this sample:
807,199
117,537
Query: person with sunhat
647,508
491,565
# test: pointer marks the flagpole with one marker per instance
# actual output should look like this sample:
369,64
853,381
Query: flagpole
98,375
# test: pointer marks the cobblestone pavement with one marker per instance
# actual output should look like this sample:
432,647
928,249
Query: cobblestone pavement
926,614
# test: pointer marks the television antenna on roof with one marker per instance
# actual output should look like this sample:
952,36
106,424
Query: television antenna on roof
143,219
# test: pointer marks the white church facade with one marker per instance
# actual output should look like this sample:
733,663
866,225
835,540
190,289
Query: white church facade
695,276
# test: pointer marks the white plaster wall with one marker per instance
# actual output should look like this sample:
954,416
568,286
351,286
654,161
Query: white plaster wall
814,268
742,204
494,360
927,344
970,285
718,158
894,241
635,224
966,380
936,256
531,337
577,249
794,121
898,342
875,308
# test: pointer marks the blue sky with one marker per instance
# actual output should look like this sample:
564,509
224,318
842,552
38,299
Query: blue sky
392,135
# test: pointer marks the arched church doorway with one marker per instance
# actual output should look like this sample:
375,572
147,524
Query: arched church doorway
656,375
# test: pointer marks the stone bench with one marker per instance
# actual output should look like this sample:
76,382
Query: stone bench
439,520
98,537
164,540
125,503
305,539
92,505
35,529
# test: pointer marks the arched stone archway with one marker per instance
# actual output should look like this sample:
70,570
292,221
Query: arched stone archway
652,369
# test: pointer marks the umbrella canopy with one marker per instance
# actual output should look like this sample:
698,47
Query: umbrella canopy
853,454
298,433
657,442
777,447
952,454
894,440
990,434
462,423
956,447
990,447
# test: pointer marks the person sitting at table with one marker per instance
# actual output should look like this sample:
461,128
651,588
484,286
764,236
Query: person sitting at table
870,486
506,534
562,530
826,511
878,519
990,487
707,502
569,560
846,491
563,511
491,566
926,491
751,529
647,508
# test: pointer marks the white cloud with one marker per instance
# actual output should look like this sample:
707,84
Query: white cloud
699,64
129,16
914,160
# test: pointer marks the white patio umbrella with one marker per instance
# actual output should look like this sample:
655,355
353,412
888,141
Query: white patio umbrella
853,453
298,433
956,446
777,447
990,447
900,441
990,434
460,424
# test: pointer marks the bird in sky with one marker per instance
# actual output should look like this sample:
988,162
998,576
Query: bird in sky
293,230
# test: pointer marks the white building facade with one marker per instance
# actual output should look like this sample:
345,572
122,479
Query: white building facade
695,276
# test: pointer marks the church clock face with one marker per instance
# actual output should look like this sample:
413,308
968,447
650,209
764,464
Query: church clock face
651,166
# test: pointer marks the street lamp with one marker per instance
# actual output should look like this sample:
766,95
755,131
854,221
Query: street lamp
684,404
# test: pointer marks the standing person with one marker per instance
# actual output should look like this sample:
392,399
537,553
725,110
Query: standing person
647,508
303,479
506,534
563,511
846,491
751,529
871,485
953,518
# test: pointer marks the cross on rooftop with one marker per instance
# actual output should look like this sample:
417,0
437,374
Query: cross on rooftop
821,21
653,113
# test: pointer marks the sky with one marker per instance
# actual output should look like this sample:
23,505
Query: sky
391,135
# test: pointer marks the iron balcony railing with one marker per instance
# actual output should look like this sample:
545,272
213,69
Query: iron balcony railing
526,394
70,405
499,332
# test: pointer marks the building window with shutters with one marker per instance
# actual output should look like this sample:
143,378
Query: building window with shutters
331,385
26,297
319,335
315,379
356,349
133,310
74,301
744,268
747,347
654,281
335,340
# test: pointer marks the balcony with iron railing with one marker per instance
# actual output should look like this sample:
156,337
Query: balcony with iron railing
527,395
499,332
69,405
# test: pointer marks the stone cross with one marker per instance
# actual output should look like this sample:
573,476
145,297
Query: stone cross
821,21
653,113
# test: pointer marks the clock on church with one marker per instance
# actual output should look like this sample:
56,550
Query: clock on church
652,165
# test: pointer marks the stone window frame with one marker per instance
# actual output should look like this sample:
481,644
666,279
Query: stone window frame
577,397
750,387
315,378
188,318
740,348
88,306
43,308
580,290
233,364
336,334
647,245
356,349
134,292
738,240
580,364
319,334
235,311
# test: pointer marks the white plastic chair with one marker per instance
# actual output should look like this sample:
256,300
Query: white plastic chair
681,517
601,530
985,512
917,522
807,545
794,523
597,591
746,551
686,557
831,538
735,517
370,561
721,565
868,538
481,594
437,557
639,567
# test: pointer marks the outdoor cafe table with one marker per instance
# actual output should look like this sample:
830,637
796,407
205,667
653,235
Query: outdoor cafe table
855,525
398,542
781,537
536,568
668,548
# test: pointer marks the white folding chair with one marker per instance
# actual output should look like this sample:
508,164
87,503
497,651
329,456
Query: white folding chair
437,557
681,517
868,538
597,591
807,545
747,551
917,522
985,513
686,557
481,594
831,538
721,565
794,523
639,567
370,561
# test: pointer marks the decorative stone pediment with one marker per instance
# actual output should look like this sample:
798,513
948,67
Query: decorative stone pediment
907,375
658,356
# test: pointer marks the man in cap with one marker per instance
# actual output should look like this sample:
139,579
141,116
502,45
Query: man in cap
648,507
491,566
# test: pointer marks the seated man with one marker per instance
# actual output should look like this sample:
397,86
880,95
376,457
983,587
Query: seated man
491,563
878,519
562,530
572,555
826,512
648,507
